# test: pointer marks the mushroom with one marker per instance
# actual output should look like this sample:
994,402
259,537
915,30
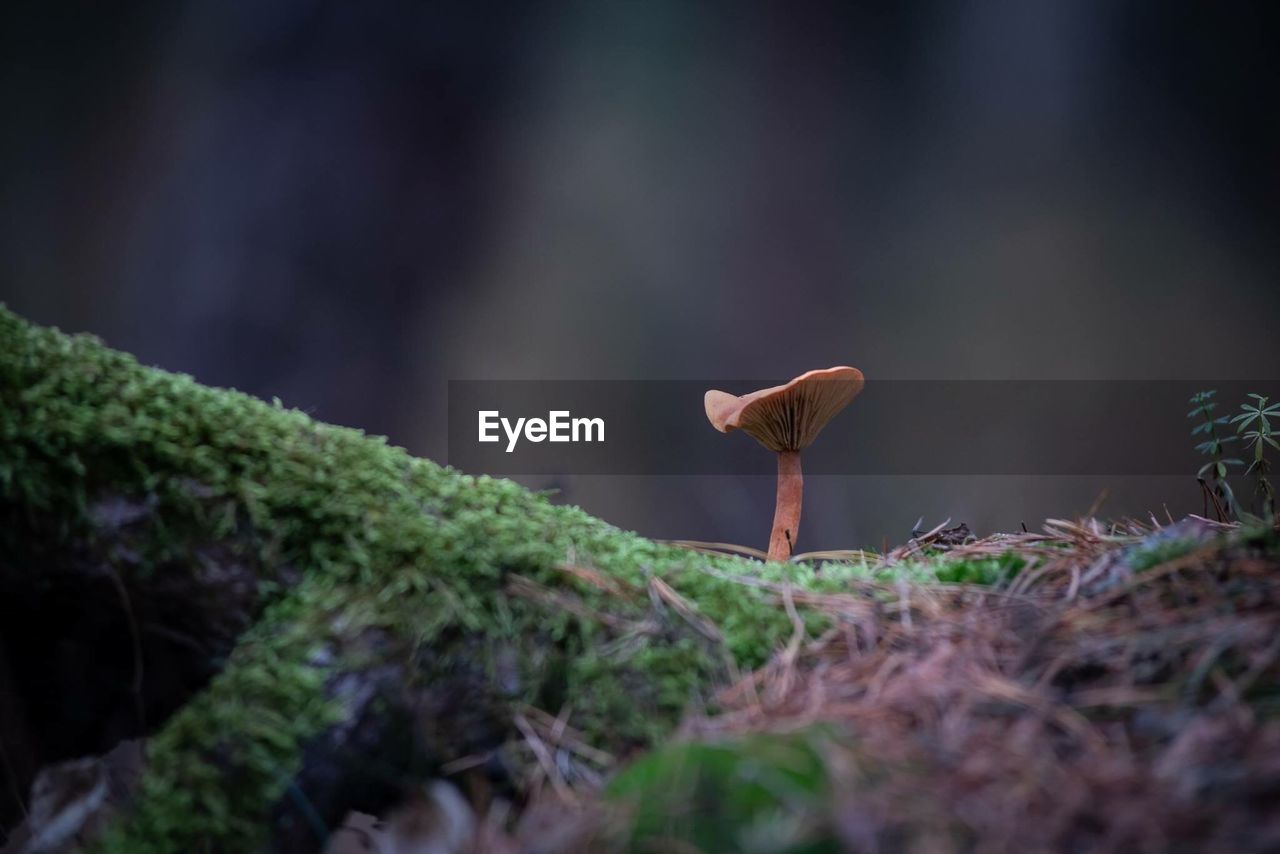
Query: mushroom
786,419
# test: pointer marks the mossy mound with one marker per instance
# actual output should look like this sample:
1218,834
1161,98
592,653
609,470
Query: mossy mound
304,621
344,556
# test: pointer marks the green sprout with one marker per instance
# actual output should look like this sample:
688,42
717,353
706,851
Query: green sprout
1253,424
1213,474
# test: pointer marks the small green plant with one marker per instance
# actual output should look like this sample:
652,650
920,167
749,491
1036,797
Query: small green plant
1253,425
1213,474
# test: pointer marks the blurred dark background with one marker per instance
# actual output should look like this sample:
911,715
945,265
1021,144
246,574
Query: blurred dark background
347,204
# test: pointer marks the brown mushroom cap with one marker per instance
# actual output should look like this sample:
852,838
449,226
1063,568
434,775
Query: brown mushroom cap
786,417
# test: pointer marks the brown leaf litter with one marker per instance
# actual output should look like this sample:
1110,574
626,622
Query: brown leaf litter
1121,693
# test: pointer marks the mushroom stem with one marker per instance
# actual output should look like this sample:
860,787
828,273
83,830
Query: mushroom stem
786,514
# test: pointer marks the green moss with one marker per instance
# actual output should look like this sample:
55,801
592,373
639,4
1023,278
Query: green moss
380,539
351,534
936,568
1158,550
759,792
229,754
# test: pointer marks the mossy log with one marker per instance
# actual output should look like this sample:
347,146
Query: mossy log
302,618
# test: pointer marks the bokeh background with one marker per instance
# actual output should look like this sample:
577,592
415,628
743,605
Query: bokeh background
347,204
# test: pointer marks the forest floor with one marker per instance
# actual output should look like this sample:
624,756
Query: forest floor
1116,688
225,626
